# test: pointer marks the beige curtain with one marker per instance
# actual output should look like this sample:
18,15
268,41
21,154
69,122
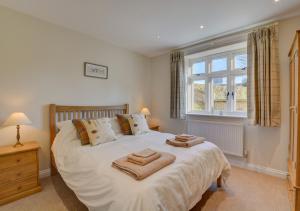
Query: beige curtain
263,77
178,95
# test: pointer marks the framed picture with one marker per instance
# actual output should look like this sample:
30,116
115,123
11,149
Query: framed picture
95,70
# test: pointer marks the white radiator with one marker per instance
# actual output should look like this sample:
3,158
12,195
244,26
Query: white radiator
229,137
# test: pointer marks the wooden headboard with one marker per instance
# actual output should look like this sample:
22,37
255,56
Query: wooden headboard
60,113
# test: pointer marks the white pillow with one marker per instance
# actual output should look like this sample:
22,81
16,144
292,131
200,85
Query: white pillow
67,129
115,126
62,124
138,124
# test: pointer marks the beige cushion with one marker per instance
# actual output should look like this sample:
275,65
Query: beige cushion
98,131
138,124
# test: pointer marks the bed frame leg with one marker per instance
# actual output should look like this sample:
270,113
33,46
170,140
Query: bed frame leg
219,181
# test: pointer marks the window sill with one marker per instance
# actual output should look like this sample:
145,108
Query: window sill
218,115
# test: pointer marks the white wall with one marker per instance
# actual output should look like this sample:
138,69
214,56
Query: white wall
267,147
41,63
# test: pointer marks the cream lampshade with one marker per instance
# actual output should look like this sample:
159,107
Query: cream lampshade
17,119
145,111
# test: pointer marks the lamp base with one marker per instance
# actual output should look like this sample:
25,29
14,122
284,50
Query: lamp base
18,144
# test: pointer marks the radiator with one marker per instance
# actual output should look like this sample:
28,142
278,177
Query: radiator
229,137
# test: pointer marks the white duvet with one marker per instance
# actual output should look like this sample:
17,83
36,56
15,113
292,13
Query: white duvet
87,171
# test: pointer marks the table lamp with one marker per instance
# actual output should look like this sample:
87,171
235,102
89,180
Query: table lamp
17,119
146,112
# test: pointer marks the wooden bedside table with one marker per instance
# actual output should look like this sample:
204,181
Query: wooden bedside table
154,127
19,171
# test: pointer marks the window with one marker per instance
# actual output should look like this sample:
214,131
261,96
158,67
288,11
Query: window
219,93
219,64
217,81
240,90
199,68
240,61
199,95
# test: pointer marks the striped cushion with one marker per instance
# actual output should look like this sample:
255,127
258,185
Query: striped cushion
81,131
124,123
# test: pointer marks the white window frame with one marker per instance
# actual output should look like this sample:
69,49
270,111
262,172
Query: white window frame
229,52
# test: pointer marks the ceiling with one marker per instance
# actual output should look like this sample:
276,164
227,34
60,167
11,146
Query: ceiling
152,27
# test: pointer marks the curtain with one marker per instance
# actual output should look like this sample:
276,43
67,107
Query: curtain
178,84
263,77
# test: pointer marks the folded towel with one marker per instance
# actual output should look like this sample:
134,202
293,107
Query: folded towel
144,153
185,137
140,172
174,142
142,161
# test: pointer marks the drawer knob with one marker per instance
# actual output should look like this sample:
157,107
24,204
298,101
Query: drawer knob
19,187
19,174
18,160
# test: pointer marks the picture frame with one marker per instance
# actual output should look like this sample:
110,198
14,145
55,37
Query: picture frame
95,70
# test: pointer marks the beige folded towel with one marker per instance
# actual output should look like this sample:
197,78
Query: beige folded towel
185,137
142,161
140,172
173,142
144,153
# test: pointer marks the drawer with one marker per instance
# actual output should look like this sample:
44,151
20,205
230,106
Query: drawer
11,175
18,187
19,159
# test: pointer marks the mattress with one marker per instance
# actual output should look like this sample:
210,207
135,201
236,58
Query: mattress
88,172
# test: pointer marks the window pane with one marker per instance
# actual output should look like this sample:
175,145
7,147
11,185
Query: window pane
219,93
240,61
199,95
240,93
198,68
219,64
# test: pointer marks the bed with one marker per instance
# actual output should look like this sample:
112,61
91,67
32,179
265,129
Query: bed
87,170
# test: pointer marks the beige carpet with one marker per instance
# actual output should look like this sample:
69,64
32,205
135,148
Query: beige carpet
244,191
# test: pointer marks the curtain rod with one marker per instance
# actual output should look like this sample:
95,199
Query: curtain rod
244,30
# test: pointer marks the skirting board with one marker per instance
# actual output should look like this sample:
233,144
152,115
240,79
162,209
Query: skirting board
44,173
259,169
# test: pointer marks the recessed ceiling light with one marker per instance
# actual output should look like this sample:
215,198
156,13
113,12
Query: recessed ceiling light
276,0
158,36
201,27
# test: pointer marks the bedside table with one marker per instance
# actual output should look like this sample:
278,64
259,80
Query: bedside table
19,171
154,127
